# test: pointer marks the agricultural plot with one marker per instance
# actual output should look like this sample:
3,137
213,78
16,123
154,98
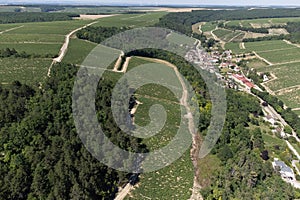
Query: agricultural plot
78,51
291,98
29,71
208,26
102,9
287,76
31,38
256,64
56,27
175,180
135,62
235,47
282,56
222,32
132,20
179,39
267,45
33,48
233,36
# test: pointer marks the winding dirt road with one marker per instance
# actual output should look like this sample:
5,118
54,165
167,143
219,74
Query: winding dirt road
64,48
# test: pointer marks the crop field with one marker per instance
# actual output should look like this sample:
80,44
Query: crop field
102,9
132,20
78,51
267,45
31,38
208,26
263,22
56,27
180,39
287,75
176,180
282,56
235,47
135,62
222,32
291,98
256,64
29,71
33,48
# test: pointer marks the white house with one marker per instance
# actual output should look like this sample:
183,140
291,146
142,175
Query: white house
286,172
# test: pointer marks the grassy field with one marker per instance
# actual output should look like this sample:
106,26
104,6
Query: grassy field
31,38
291,98
267,45
235,48
282,56
180,39
102,9
29,71
256,64
175,180
208,26
33,48
78,51
132,20
222,32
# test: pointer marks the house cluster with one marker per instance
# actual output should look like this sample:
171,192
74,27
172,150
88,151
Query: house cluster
285,171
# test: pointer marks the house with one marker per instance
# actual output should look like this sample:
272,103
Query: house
270,119
243,80
286,172
265,77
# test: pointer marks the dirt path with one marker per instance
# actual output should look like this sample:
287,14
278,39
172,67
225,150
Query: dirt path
196,195
235,37
126,63
64,48
263,59
11,29
288,42
122,194
242,45
218,39
118,63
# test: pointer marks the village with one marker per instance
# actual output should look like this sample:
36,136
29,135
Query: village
230,75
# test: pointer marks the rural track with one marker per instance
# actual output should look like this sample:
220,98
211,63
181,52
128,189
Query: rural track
263,59
64,48
196,195
11,29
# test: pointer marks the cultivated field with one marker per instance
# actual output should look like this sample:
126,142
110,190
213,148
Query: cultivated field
78,51
176,180
29,71
208,26
132,20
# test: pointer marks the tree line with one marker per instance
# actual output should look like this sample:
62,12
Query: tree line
23,17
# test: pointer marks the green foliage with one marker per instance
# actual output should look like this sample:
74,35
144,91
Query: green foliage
99,34
20,17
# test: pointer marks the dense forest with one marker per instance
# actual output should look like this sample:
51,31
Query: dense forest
41,155
100,33
22,17
182,22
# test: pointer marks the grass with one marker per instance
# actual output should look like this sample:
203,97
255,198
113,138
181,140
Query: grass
29,71
56,27
78,51
35,48
235,47
38,38
101,10
180,39
222,32
256,64
208,26
208,166
175,180
282,56
267,45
